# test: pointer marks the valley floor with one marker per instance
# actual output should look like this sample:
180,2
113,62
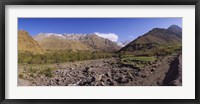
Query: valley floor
103,72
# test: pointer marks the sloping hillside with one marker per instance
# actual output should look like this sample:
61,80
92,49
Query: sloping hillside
75,42
99,43
156,36
60,43
27,43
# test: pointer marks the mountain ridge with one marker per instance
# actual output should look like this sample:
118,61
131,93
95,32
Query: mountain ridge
92,41
27,43
154,37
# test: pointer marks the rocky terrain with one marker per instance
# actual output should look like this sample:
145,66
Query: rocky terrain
107,72
153,59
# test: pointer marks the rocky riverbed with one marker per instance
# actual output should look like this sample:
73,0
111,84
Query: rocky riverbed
104,72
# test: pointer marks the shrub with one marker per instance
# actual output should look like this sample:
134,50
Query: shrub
21,76
48,72
60,56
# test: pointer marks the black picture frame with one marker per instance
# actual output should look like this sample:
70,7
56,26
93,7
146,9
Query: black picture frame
3,3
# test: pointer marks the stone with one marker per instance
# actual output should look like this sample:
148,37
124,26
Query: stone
153,69
102,83
87,68
91,79
108,74
143,75
122,79
110,82
99,77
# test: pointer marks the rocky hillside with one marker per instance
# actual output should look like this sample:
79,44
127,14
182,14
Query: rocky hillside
75,42
156,36
27,43
176,29
99,43
53,42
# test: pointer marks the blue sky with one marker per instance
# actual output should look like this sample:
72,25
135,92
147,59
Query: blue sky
123,28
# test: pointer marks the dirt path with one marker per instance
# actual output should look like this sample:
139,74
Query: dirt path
165,69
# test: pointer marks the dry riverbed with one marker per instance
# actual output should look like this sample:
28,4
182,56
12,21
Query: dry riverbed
103,72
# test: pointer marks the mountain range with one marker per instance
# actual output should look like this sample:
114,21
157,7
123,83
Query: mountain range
123,43
93,42
156,36
59,42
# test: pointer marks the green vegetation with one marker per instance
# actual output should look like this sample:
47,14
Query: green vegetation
34,70
47,72
21,76
167,49
136,61
60,56
140,58
159,50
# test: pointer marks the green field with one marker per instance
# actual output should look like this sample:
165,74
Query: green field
136,61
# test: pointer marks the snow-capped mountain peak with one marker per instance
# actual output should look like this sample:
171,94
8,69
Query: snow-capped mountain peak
123,43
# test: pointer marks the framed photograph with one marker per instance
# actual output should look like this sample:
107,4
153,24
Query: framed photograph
139,51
